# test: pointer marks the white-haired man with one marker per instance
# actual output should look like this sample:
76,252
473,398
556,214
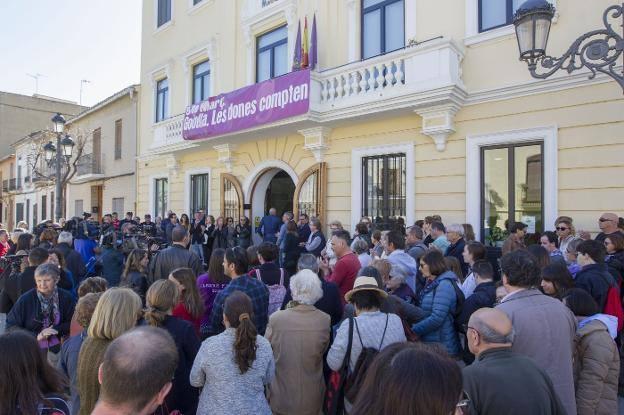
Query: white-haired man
455,235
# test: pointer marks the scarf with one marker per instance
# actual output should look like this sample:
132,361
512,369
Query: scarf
50,316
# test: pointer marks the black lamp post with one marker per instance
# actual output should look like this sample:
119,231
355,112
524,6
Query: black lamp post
57,155
598,50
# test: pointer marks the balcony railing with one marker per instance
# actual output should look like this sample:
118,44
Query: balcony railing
15,184
89,164
5,185
412,78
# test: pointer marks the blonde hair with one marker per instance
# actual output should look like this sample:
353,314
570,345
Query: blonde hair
117,311
161,297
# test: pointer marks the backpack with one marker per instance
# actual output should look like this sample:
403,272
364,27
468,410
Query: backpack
277,292
613,305
365,359
459,306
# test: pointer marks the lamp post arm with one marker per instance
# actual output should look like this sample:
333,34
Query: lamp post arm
598,51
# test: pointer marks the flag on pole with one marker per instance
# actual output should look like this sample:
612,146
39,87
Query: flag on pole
305,57
313,46
297,55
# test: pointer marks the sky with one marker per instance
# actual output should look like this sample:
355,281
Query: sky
67,41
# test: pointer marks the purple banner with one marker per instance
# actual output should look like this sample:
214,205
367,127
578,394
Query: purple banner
248,107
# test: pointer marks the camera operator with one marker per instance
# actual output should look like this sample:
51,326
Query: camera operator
73,260
85,235
128,219
148,227
176,256
110,260
18,283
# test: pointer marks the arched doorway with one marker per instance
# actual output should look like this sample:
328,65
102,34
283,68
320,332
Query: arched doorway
274,187
279,193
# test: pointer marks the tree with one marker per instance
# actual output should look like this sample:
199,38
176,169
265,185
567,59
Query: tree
40,168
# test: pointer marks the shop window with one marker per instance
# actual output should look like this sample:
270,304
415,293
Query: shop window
384,189
512,180
160,197
272,54
199,192
496,13
201,82
383,27
310,192
162,100
164,12
231,197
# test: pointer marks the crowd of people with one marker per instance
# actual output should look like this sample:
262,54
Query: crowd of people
191,316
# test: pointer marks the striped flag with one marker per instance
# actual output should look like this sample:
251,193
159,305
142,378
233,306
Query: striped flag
305,57
297,56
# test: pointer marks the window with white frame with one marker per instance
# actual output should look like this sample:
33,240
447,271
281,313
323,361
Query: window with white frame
201,81
162,100
497,13
164,12
118,204
383,27
78,207
384,188
272,54
160,197
199,192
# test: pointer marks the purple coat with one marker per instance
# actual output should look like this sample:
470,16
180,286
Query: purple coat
208,291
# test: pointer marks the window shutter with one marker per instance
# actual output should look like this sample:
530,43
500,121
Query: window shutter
118,125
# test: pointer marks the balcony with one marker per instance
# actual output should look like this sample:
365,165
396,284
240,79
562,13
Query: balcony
15,184
5,186
89,167
424,79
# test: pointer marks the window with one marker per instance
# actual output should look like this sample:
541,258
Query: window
78,207
272,54
384,188
118,126
162,100
201,82
35,215
511,189
310,192
27,219
496,13
164,12
52,205
118,204
199,192
44,207
383,27
19,212
196,2
160,197
230,197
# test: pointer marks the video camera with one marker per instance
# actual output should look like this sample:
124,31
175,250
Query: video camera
12,261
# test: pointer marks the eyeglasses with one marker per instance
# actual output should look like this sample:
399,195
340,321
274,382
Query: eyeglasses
605,220
463,403
561,228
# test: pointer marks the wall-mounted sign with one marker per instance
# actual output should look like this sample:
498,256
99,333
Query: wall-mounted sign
248,107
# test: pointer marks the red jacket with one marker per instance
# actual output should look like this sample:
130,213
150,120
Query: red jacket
344,273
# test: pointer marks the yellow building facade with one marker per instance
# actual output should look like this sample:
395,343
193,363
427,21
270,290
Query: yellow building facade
442,118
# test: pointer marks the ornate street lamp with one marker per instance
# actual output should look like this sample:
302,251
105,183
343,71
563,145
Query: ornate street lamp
598,50
59,123
67,145
49,151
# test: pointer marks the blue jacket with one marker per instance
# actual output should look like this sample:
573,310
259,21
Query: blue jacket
269,226
439,303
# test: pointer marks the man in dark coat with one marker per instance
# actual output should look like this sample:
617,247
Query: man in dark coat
501,381
484,294
455,235
176,256
73,260
269,226
594,276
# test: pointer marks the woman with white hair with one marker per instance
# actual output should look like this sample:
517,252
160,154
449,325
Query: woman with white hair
299,336
396,284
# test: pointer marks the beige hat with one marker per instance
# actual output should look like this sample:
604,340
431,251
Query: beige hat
365,284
